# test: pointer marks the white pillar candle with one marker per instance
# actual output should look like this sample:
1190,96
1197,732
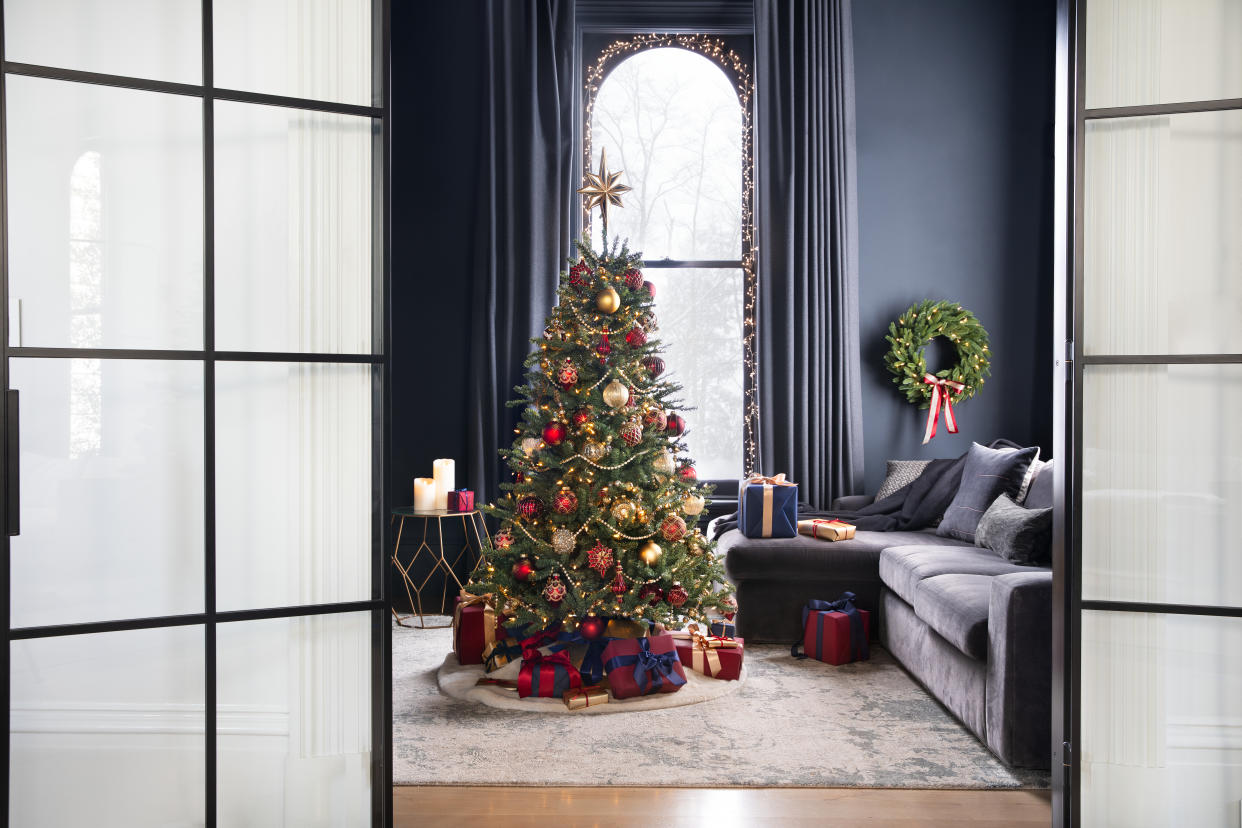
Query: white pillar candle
443,472
424,494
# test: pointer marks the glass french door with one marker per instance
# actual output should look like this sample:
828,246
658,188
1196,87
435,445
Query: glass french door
194,285
1153,587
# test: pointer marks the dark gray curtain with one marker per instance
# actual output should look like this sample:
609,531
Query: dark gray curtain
810,415
522,230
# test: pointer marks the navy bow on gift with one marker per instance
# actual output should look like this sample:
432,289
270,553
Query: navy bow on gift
651,670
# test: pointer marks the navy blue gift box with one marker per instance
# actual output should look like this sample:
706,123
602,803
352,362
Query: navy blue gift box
768,508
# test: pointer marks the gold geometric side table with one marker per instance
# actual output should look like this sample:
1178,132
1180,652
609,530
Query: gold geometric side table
472,524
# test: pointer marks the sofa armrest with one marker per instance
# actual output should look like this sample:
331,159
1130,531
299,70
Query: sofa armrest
851,503
1019,682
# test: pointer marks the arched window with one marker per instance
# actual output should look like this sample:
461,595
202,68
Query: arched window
673,112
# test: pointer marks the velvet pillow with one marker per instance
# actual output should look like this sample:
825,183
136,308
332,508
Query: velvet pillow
1018,534
901,473
988,474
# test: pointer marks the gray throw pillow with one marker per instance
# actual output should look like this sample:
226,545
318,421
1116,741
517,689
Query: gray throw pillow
1018,534
901,473
988,474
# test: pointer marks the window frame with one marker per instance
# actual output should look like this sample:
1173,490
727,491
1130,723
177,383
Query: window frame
601,47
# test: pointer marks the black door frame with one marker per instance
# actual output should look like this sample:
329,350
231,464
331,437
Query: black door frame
1072,116
378,604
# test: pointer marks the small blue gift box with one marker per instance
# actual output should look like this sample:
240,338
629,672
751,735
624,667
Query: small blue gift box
768,508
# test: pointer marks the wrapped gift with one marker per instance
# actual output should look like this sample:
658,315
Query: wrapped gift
474,627
585,697
713,656
768,508
722,628
460,500
829,530
835,632
547,675
500,652
625,628
642,666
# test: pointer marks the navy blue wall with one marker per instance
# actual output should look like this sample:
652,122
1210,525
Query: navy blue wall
954,105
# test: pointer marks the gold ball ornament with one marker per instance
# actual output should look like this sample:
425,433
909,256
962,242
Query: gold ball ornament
608,300
693,504
563,541
616,395
650,553
594,451
623,511
664,463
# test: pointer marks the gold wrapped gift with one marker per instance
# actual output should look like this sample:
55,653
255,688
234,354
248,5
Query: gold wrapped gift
621,628
829,530
581,697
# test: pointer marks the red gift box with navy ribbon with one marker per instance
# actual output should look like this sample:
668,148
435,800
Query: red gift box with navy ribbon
642,666
835,632
460,500
546,675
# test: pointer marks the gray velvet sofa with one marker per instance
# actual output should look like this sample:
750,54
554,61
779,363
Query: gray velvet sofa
973,628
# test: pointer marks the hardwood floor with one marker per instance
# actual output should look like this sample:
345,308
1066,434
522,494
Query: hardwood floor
429,807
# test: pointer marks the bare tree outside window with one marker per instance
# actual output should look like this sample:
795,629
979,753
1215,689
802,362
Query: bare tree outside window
671,119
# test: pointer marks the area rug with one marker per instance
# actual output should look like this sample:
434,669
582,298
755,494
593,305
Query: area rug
459,681
794,723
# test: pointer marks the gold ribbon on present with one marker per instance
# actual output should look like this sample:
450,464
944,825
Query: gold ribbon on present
768,483
489,618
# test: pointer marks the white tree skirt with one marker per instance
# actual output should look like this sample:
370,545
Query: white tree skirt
460,682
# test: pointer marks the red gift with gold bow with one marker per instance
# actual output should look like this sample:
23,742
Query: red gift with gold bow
474,627
714,656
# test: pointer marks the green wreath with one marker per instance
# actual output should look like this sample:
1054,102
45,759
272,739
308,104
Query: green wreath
921,324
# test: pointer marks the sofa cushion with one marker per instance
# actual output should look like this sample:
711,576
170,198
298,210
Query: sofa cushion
902,567
956,606
987,474
806,558
901,473
1016,533
1039,495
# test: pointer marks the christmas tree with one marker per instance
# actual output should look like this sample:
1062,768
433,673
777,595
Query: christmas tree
600,520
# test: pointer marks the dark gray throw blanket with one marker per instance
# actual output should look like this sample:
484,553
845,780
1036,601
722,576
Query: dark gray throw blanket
917,506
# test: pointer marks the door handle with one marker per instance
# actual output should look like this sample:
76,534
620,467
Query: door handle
13,470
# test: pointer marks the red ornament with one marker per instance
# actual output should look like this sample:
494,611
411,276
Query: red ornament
578,274
582,416
636,338
650,286
677,595
673,528
529,507
554,433
731,608
592,627
568,375
519,477
655,420
655,365
633,279
632,433
564,502
652,592
619,587
689,474
522,570
675,425
503,539
633,400
554,591
599,557
604,349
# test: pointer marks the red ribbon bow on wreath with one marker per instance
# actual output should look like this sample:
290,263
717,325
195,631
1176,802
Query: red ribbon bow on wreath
941,388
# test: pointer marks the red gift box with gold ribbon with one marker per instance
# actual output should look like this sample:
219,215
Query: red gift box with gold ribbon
475,627
711,655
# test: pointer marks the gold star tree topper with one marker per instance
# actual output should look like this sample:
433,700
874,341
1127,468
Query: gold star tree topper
603,188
